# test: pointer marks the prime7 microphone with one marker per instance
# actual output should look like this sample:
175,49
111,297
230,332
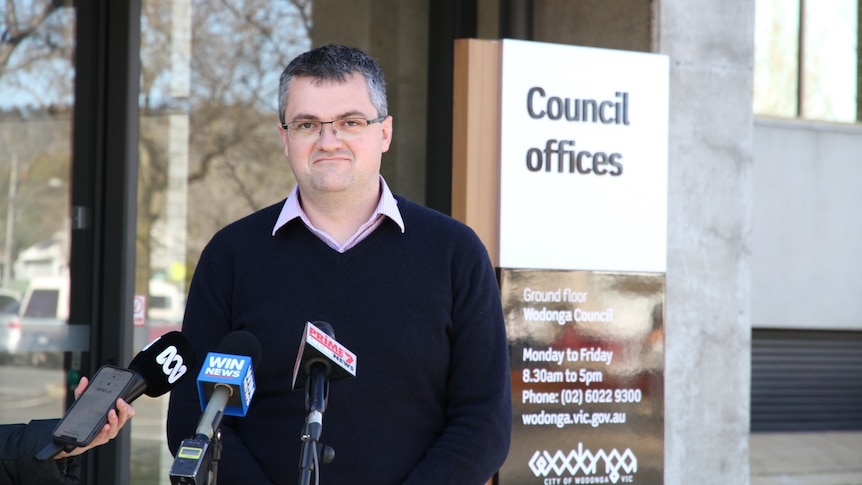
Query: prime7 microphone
318,345
320,359
225,387
156,369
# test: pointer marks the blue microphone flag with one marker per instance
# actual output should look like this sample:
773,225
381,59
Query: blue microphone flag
233,371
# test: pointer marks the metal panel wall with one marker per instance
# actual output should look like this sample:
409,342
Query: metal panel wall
806,380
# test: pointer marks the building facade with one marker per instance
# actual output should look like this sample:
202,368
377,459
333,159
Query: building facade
174,135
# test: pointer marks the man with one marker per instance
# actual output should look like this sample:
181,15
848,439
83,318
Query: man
19,444
410,291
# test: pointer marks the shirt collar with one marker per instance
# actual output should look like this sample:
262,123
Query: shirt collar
387,206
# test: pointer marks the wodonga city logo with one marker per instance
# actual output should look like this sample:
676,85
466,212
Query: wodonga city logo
586,463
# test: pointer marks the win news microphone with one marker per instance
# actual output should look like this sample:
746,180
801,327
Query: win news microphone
154,371
225,387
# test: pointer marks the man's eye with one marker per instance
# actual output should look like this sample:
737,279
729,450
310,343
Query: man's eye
304,125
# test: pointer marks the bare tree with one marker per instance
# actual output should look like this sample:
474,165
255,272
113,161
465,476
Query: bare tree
36,45
35,65
235,160
236,163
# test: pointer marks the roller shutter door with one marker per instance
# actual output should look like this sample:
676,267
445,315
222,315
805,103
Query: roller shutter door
805,380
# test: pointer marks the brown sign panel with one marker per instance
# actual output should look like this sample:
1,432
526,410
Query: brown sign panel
587,370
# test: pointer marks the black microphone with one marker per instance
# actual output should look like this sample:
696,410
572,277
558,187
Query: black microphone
225,386
320,359
160,365
318,345
155,370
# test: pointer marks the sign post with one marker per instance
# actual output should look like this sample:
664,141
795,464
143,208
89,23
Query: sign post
580,243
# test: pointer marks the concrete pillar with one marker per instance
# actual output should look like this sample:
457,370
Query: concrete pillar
858,62
708,329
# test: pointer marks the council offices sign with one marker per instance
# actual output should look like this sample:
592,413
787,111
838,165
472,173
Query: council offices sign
577,228
587,373
583,158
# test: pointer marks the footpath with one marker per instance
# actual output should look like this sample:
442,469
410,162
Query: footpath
803,458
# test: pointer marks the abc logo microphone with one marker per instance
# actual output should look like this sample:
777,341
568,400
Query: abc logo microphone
161,365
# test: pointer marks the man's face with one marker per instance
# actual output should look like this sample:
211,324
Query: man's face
326,164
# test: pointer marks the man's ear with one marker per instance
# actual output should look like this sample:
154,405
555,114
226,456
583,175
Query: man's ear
282,134
386,133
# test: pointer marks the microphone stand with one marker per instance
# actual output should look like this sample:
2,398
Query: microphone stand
316,396
196,462
309,459
216,451
199,464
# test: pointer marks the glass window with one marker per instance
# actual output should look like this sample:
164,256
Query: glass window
821,82
36,97
209,154
775,58
829,60
43,304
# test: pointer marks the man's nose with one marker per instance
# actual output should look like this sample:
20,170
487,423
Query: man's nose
324,132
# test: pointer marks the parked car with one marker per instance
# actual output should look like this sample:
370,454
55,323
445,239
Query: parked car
44,313
10,323
37,332
9,300
165,307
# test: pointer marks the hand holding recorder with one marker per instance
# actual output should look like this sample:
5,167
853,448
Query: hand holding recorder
93,418
116,420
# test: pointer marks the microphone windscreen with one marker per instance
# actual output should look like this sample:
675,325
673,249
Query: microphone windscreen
230,366
324,327
241,342
164,362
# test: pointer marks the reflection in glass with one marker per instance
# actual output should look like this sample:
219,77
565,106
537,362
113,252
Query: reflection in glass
776,66
829,63
819,84
36,89
587,364
209,154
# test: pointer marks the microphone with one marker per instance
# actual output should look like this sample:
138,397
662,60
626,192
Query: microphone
156,369
225,387
160,365
227,375
320,359
318,345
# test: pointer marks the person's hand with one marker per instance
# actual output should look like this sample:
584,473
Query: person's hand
115,422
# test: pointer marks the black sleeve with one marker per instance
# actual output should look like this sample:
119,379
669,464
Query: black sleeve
19,444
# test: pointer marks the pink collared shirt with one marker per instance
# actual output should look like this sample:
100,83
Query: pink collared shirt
387,206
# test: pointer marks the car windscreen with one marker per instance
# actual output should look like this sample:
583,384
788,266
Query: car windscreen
42,304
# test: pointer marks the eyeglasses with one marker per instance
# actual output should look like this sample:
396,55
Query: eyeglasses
344,129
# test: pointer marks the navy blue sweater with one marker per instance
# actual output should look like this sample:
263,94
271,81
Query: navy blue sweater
421,310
